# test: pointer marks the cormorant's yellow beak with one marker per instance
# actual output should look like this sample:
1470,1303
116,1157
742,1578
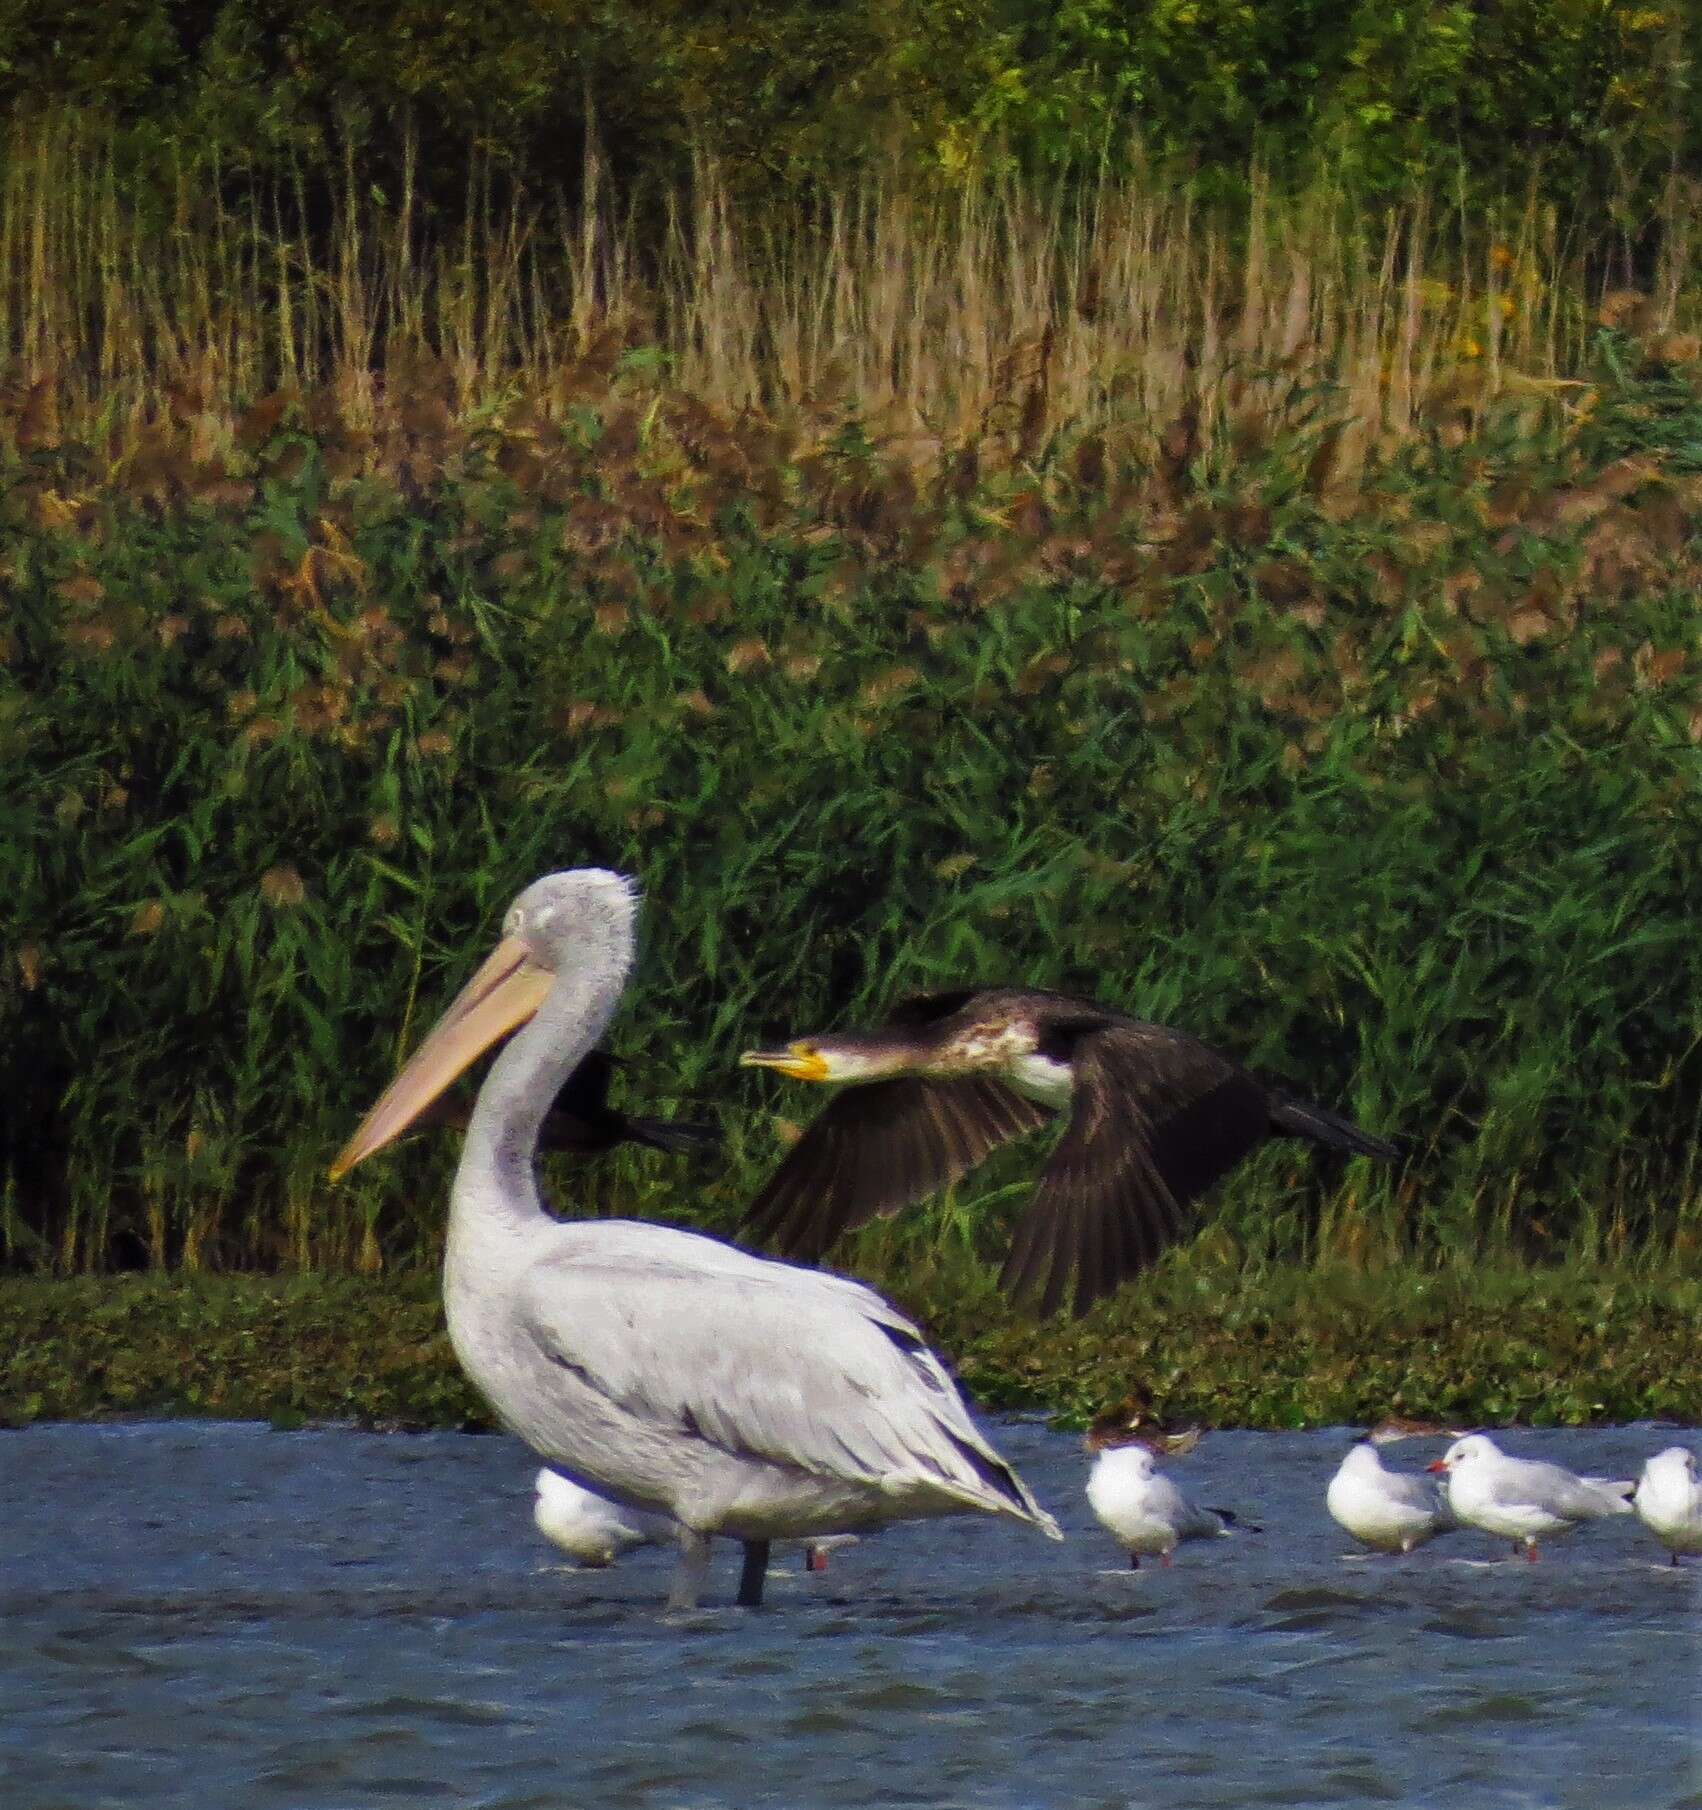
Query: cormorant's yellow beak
798,1061
506,991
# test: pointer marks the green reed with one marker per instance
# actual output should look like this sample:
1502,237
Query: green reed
998,310
1384,780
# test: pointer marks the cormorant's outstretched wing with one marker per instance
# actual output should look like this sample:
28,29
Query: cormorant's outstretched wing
880,1147
929,1008
1155,1119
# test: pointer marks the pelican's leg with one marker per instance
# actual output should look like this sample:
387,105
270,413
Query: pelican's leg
689,1573
1531,1551
752,1575
1134,1561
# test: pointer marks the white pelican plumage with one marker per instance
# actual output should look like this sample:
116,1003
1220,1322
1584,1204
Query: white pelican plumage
663,1369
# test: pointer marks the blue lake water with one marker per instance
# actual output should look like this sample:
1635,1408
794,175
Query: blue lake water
239,1619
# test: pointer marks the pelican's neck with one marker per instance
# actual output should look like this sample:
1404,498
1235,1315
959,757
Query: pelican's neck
496,1180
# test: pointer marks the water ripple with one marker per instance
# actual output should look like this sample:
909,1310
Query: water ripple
332,1620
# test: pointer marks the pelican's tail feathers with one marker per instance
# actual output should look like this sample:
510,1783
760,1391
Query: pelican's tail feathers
1011,1496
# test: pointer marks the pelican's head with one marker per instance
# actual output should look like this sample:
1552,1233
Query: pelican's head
586,913
832,1059
1474,1449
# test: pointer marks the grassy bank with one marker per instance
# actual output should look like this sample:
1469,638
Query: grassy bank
1286,1348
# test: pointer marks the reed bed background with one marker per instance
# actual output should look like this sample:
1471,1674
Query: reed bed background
996,313
1282,621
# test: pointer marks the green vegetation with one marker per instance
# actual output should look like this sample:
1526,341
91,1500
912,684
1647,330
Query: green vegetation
1589,98
826,463
1371,757
1283,1348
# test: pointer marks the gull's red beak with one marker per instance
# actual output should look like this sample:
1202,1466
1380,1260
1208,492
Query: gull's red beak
1437,1464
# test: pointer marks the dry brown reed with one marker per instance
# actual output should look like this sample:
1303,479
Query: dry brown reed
1001,314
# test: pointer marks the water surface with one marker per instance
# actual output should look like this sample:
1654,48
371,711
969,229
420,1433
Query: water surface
217,1615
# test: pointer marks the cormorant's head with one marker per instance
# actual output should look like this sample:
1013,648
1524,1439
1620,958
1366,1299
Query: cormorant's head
831,1059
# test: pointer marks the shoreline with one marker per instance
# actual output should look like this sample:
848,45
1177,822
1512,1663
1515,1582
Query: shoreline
1288,1348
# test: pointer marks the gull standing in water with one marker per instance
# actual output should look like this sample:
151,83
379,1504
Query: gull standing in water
591,1528
596,1531
1143,1511
663,1369
1391,1511
1155,1118
1520,1499
1669,1500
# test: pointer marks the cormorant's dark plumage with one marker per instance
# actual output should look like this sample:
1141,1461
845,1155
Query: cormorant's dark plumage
582,1120
1155,1118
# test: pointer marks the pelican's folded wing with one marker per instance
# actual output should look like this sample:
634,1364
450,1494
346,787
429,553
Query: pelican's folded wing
789,1366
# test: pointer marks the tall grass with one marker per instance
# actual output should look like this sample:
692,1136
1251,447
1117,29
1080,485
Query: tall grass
1000,313
1282,626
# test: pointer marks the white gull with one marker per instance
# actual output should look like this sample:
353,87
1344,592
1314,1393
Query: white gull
1522,1499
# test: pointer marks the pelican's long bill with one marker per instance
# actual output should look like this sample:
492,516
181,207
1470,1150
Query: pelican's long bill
505,992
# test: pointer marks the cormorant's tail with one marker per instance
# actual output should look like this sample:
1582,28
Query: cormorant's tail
677,1136
1294,1117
